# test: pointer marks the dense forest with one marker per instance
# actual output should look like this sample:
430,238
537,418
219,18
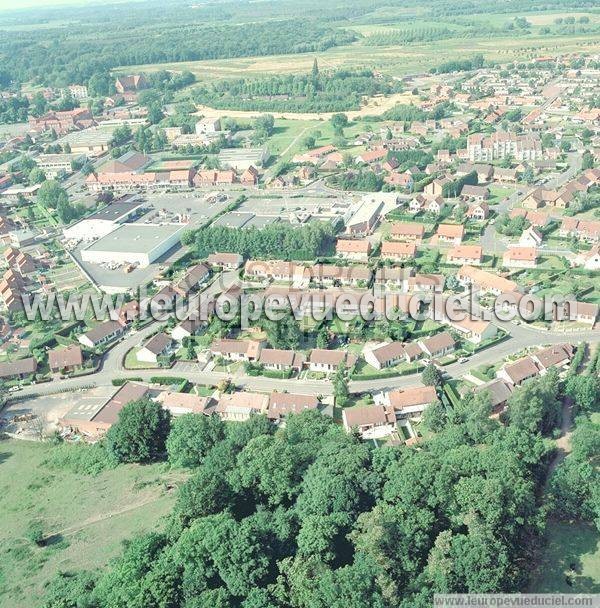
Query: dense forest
50,57
315,92
307,516
281,241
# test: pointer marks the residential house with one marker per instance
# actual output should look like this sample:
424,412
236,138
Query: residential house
411,232
474,193
385,355
19,369
398,252
520,257
518,372
450,234
240,406
557,355
353,249
411,402
281,405
281,360
103,333
193,278
478,212
438,345
485,281
226,261
465,254
159,345
236,350
371,422
327,361
186,329
65,359
531,237
499,393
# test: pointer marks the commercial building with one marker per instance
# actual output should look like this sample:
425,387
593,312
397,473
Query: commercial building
139,244
241,159
103,222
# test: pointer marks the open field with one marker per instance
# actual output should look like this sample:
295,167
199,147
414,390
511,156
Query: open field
84,518
572,554
394,60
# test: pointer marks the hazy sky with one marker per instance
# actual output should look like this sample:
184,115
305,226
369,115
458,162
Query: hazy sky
16,4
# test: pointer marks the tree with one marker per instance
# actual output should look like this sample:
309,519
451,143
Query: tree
339,122
121,135
51,194
431,375
191,437
585,392
340,385
36,176
309,142
140,433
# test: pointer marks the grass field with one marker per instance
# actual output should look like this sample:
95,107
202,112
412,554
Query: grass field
86,518
573,551
401,59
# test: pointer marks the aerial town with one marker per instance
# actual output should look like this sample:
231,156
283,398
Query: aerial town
477,186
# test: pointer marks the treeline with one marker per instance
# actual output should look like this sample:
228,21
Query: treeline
274,241
51,57
408,36
317,92
14,109
460,65
307,516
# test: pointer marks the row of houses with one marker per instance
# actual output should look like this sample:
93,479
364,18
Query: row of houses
230,407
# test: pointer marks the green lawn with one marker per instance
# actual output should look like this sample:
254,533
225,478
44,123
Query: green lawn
87,518
572,550
131,361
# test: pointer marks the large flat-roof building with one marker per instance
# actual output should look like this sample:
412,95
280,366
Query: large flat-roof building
104,221
92,142
139,244
240,159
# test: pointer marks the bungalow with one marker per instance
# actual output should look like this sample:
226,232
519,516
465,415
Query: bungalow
385,355
240,406
474,193
465,254
236,350
328,274
226,261
101,334
499,392
192,279
485,281
520,371
411,401
590,260
426,283
371,156
520,257
353,249
506,176
67,359
478,212
475,330
157,346
450,233
402,180
186,329
314,156
398,251
371,422
438,345
411,232
393,277
584,312
584,230
280,360
281,405
21,368
185,403
321,360
538,219
557,355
